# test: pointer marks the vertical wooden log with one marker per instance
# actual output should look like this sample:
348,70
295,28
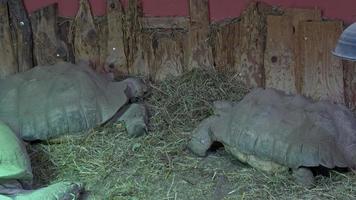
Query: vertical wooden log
64,34
147,56
252,44
279,59
322,72
115,44
101,24
225,45
86,37
21,34
168,54
136,43
48,48
8,61
199,53
296,16
350,84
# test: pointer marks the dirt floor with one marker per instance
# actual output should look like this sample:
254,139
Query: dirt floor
158,166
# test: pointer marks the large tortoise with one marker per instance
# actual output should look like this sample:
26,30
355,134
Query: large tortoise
16,173
272,131
49,101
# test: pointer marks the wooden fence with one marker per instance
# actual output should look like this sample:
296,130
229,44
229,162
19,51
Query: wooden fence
266,47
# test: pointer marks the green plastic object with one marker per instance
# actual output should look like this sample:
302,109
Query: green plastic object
14,161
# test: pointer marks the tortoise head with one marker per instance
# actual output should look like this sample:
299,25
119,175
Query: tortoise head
221,107
135,87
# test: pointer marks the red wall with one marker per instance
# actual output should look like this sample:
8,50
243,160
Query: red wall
333,9
219,9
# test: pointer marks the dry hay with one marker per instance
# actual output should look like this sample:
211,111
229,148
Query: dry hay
158,166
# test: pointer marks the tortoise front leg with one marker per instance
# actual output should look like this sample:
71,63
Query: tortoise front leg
202,139
135,119
304,177
57,191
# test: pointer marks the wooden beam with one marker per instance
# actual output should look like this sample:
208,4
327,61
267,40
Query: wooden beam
8,61
21,34
65,25
116,41
48,48
168,48
279,59
137,46
86,37
225,45
165,22
298,15
198,50
322,72
350,84
252,44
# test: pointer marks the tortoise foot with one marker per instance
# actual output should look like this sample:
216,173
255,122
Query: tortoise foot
135,118
304,177
58,191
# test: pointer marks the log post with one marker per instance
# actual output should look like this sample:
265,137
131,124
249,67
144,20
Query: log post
199,53
48,48
8,61
21,34
86,37
116,39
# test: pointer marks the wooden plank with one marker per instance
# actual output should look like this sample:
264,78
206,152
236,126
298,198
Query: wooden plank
168,54
137,45
48,49
165,22
65,25
101,25
322,72
8,64
115,45
350,83
252,44
279,59
298,15
21,34
198,50
225,51
86,47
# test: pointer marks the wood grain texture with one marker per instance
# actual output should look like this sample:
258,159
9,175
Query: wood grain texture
225,46
298,15
8,64
168,50
116,40
252,44
322,72
64,34
165,22
86,47
198,50
21,34
48,49
350,83
102,28
137,48
279,59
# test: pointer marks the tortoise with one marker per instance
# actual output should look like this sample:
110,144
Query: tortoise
16,173
273,131
50,101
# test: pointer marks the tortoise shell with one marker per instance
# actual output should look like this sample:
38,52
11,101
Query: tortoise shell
48,101
289,130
